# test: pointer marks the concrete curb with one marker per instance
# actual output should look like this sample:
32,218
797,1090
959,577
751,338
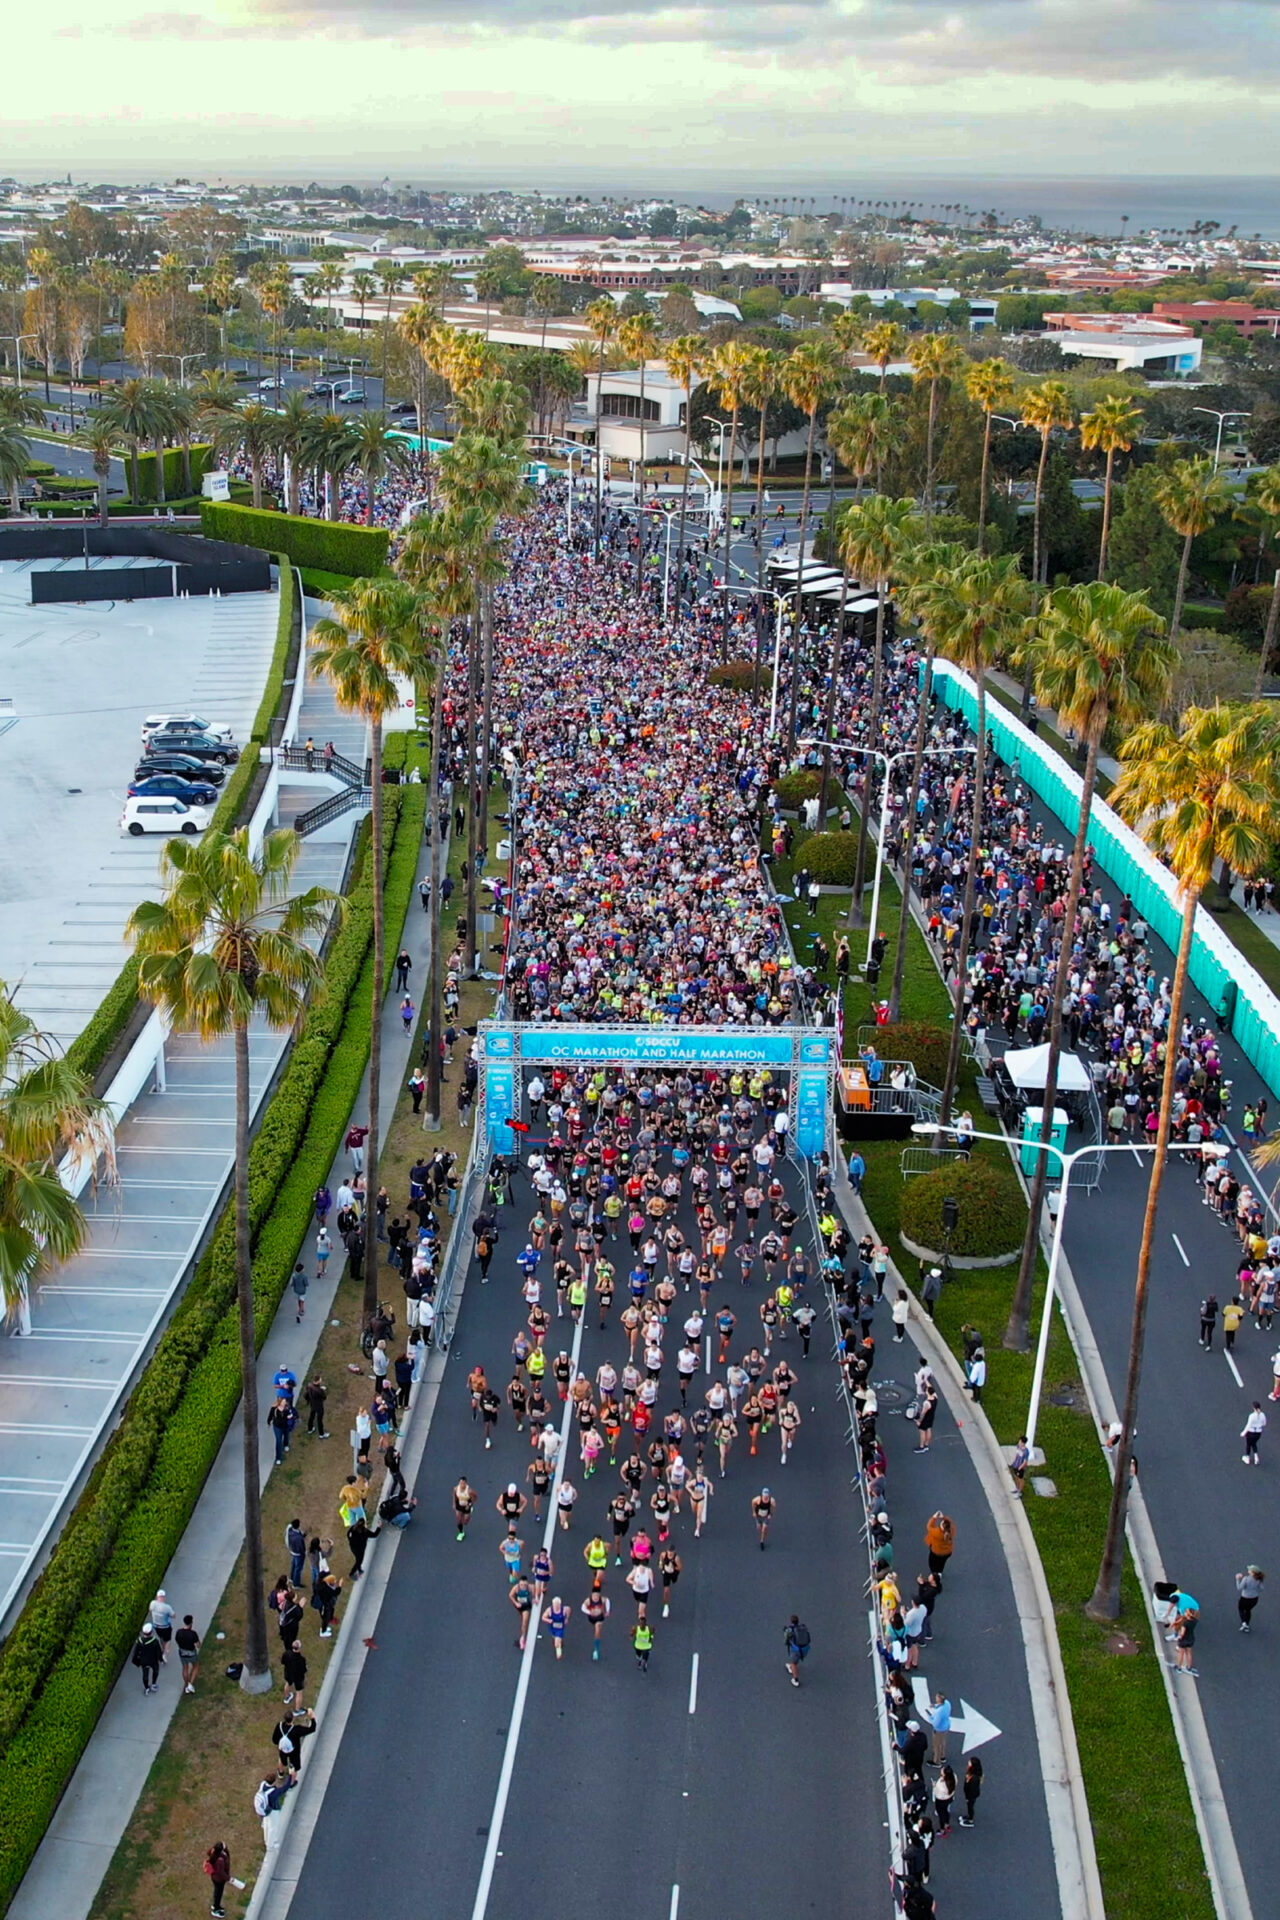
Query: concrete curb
1217,1840
1070,1828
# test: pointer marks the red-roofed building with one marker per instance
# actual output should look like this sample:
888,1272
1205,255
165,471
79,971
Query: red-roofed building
1240,314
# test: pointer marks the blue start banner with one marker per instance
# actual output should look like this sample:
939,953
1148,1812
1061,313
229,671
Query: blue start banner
648,1046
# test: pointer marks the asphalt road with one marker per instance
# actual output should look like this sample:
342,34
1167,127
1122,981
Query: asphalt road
620,1792
1211,1514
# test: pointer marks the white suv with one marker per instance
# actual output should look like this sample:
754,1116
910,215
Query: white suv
184,723
161,814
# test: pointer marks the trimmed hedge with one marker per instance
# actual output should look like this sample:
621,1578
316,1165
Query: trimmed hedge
174,484
793,788
993,1213
91,1047
925,1046
322,584
61,1661
830,857
329,545
285,614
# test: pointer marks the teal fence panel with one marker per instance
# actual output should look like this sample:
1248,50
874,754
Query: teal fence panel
1131,866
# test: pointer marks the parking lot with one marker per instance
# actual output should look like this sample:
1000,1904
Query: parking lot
81,680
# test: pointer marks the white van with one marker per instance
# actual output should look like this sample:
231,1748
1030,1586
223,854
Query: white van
161,814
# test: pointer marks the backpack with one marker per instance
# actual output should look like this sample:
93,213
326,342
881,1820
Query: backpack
800,1637
262,1801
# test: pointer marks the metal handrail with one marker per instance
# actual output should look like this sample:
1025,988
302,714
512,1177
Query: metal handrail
316,760
332,808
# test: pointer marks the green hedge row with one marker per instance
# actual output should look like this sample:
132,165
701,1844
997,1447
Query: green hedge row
830,857
62,1659
90,1048
274,689
329,545
174,478
927,1047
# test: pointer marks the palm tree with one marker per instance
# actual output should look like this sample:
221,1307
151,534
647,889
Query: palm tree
228,944
130,414
602,324
183,410
809,377
364,285
1044,408
639,339
391,277
920,568
1203,793
101,446
989,385
216,392
47,1110
872,533
332,452
977,612
884,342
935,357
1266,499
545,295
15,458
376,453
488,288
758,388
377,631
273,297
1100,656
1190,495
293,441
860,431
728,377
436,559
1111,428
685,359
251,431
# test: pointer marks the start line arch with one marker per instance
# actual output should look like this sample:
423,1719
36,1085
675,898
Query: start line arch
806,1054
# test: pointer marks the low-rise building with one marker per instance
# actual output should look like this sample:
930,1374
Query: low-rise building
1133,342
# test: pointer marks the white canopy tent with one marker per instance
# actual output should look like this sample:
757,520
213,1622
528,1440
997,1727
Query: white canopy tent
1028,1069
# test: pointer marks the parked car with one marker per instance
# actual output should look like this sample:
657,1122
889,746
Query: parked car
195,746
402,410
350,397
145,813
194,793
185,765
183,723
322,389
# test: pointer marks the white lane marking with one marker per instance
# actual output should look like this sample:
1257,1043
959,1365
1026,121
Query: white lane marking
1137,1156
493,1843
693,1686
1234,1368
708,1353
1182,1250
675,1903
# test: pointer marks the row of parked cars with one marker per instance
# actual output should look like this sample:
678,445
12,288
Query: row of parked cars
183,764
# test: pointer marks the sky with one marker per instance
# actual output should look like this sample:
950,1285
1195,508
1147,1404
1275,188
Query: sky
510,91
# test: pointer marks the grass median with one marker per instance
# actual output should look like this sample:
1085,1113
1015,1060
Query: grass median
1148,1848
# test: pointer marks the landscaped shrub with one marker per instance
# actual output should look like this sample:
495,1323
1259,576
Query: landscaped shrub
61,1660
1245,614
174,477
830,857
738,673
329,545
792,788
926,1047
993,1213
94,1043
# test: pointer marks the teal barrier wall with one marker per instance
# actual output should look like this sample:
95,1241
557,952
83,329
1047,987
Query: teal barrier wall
1126,860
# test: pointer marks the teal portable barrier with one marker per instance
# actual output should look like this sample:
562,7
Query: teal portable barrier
1217,966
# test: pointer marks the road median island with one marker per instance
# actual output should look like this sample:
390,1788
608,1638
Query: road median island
60,1662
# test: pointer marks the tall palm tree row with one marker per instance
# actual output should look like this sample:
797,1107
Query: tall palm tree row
638,337
810,376
377,631
760,386
1204,792
1099,655
872,535
229,943
936,358
602,324
1190,495
989,385
685,359
728,377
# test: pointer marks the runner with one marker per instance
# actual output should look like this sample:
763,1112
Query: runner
763,1508
464,1501
670,1567
521,1598
700,1490
596,1609
556,1618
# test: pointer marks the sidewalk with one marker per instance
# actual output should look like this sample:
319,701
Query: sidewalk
96,1809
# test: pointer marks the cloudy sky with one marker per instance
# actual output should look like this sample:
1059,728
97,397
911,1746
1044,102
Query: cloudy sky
733,92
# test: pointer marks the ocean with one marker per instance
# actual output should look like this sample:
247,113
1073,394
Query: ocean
1084,205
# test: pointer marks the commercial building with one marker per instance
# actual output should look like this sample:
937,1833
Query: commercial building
1131,342
1240,314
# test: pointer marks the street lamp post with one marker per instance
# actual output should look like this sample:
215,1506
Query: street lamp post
1066,1162
1229,413
780,601
888,761
182,359
17,339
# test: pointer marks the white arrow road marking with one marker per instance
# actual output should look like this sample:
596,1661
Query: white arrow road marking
975,1726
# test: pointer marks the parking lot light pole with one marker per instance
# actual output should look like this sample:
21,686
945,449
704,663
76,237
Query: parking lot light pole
1066,1162
17,339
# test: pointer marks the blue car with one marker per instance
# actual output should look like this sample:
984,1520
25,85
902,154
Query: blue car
168,786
